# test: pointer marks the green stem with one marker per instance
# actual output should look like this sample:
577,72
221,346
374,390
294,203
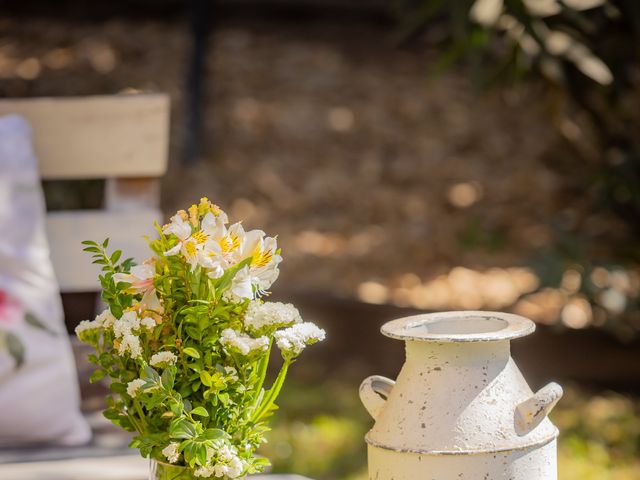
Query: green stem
273,392
135,423
263,366
138,408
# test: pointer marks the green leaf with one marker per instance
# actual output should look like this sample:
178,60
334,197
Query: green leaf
97,375
111,414
201,453
201,411
205,378
120,388
182,428
213,434
192,352
150,374
168,378
193,333
35,322
115,256
15,348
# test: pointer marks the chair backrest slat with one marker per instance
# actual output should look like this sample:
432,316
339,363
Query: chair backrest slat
122,138
97,137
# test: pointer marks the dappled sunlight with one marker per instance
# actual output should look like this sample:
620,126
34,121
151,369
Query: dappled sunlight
460,288
579,301
338,245
465,194
98,54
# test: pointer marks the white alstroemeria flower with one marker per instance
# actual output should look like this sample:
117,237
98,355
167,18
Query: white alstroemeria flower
134,386
171,452
242,343
150,301
241,285
200,247
263,269
163,359
187,243
218,252
140,278
293,340
264,317
180,227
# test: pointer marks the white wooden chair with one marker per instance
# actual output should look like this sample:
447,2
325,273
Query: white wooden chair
121,138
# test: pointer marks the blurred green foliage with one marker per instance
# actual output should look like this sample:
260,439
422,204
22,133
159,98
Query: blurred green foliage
582,49
583,56
319,433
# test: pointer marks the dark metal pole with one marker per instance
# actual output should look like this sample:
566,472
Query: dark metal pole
200,24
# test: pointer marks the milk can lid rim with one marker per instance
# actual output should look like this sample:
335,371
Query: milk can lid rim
459,326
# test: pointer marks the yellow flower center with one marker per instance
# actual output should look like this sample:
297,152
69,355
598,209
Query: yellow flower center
261,258
229,243
190,248
199,237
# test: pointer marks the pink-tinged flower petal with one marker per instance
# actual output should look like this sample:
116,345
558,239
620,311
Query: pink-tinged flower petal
10,309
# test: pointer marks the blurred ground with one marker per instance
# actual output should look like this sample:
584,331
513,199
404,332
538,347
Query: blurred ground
319,431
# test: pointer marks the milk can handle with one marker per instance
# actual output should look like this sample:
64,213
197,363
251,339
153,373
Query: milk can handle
374,392
532,411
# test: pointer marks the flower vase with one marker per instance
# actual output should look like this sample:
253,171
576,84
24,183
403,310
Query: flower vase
165,471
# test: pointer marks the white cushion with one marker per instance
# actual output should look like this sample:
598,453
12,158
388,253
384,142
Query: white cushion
39,402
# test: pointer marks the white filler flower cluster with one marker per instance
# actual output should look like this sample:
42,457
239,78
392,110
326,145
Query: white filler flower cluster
123,329
266,317
292,341
103,320
163,359
226,463
134,386
242,343
171,452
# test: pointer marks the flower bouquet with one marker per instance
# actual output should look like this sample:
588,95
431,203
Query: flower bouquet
186,341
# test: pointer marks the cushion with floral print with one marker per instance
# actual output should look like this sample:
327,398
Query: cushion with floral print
39,395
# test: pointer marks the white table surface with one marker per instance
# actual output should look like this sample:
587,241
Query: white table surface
126,467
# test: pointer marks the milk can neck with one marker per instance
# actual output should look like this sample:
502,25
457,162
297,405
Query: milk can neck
457,353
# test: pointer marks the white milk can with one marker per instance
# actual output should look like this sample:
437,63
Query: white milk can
460,408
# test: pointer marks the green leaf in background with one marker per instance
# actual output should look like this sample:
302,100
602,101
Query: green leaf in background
97,375
14,347
32,320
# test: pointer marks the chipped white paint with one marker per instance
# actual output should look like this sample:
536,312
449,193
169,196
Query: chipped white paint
460,408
